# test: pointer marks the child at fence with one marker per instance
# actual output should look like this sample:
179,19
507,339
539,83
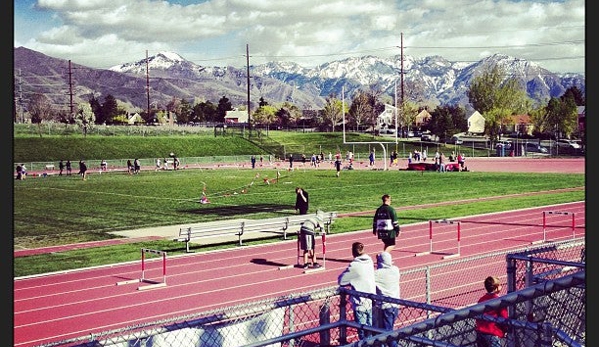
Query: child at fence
489,334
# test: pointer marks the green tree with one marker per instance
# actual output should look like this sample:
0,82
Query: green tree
184,113
561,117
497,98
332,112
204,111
108,111
576,94
447,120
360,110
85,117
288,115
265,115
224,105
95,104
40,109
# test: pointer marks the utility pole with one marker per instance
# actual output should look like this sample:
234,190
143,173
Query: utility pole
71,106
148,84
401,76
247,57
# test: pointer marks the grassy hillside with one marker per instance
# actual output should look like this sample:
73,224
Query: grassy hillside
113,143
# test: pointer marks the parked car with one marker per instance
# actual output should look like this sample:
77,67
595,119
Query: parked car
567,143
429,137
535,148
455,140
506,144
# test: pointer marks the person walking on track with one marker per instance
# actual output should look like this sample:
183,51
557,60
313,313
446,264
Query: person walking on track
385,224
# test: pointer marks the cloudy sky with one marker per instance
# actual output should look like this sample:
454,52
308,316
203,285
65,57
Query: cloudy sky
104,33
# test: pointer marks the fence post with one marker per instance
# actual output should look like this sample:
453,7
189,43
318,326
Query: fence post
343,317
325,318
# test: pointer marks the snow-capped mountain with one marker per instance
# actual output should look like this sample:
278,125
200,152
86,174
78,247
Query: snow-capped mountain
431,80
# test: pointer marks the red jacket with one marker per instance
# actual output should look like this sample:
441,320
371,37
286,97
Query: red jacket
492,328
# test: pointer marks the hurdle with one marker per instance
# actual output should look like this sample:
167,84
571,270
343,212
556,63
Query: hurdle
153,284
545,213
299,255
430,233
324,259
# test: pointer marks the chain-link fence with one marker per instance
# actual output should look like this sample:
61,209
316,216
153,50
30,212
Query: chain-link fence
545,300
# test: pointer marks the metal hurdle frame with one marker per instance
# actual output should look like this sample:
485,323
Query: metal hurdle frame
299,255
565,213
430,233
153,284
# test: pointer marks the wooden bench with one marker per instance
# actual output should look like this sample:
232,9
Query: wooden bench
239,228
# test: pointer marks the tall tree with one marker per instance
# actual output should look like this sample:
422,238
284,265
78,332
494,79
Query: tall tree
109,110
332,111
40,109
360,110
85,117
576,94
497,98
224,105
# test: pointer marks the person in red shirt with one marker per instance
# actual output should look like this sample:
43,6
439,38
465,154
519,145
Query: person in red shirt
489,334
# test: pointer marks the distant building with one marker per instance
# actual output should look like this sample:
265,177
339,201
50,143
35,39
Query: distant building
236,116
476,123
386,120
521,124
134,119
422,118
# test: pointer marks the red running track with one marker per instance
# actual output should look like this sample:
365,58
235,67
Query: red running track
55,307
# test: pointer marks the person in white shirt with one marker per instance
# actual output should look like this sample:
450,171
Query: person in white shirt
359,276
386,278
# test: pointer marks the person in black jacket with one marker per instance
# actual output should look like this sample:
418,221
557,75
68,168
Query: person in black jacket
302,201
385,224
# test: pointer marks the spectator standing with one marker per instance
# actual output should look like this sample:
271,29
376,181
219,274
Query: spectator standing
136,166
371,158
338,166
441,162
80,173
158,164
307,239
60,167
385,224
20,172
386,278
129,167
423,155
290,162
103,165
490,334
302,201
83,169
253,161
69,168
359,276
461,161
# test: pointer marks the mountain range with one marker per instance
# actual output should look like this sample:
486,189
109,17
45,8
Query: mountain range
432,80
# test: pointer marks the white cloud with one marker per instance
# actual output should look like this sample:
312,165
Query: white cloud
103,33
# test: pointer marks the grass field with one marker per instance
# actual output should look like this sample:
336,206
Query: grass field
57,210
